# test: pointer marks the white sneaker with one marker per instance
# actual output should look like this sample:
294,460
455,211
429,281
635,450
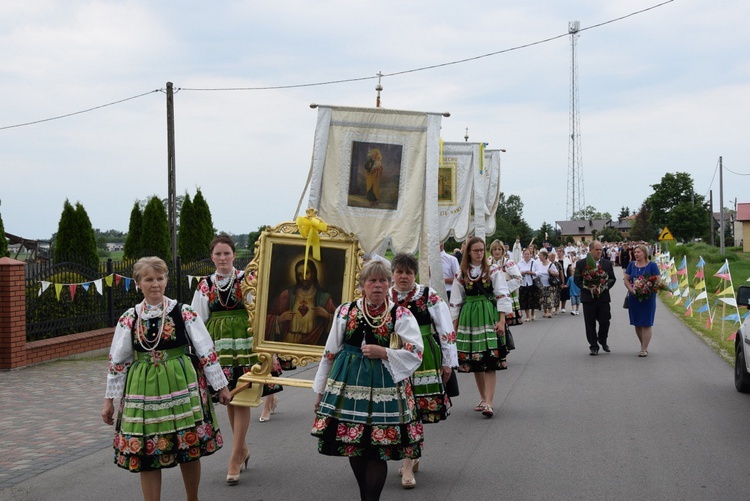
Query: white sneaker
572,312
563,310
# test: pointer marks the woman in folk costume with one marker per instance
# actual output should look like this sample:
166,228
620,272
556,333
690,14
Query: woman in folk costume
365,406
439,338
218,300
166,417
479,303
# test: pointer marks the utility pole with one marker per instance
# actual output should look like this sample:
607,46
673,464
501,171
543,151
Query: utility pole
721,207
711,215
171,188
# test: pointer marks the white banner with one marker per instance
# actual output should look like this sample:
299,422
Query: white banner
458,167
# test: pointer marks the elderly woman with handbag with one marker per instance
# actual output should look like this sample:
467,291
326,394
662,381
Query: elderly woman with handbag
365,407
528,293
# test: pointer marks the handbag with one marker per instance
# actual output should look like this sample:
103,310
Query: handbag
625,304
451,386
538,282
510,344
395,342
515,319
554,280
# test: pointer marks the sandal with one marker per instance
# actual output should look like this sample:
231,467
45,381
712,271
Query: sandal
480,406
643,353
488,411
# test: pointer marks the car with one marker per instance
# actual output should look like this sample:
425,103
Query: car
742,345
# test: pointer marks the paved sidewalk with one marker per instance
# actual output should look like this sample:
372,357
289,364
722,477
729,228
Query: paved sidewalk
49,416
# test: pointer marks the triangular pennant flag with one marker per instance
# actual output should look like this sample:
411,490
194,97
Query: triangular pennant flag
72,288
746,315
700,274
44,287
683,263
733,317
86,286
98,286
190,280
732,336
127,283
701,262
703,308
117,279
702,295
689,312
108,280
724,276
724,268
729,300
726,292
700,285
58,289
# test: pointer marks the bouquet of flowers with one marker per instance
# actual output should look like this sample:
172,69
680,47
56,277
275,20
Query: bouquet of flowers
594,277
645,285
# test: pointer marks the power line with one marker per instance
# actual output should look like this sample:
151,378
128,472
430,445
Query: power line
348,80
80,112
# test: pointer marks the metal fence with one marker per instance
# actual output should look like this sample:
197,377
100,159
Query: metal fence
72,303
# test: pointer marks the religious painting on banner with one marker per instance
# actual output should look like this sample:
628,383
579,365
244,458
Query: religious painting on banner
375,175
370,176
447,181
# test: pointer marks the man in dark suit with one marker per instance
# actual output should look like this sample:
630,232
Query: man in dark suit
596,304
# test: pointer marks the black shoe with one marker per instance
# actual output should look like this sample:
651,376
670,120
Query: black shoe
594,351
605,347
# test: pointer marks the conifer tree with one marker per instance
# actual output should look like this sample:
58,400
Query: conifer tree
132,247
66,230
3,241
188,237
155,230
86,239
205,225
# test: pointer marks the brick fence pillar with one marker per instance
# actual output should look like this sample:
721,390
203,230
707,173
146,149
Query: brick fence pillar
12,313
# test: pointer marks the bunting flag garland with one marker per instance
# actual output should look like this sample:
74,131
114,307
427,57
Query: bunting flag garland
109,280
725,294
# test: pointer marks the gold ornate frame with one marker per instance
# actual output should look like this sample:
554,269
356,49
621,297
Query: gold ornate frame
257,284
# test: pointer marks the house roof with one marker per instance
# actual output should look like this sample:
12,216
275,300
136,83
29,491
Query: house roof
582,227
743,212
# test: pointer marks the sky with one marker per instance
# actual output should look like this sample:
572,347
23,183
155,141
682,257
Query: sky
661,91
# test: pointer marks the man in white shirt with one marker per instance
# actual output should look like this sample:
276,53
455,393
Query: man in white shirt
450,269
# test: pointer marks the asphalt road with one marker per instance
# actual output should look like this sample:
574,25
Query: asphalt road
568,426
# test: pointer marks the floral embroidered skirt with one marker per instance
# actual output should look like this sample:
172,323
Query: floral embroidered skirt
429,393
165,417
363,413
235,347
479,347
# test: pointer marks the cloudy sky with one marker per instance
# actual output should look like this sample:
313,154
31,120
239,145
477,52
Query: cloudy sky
665,90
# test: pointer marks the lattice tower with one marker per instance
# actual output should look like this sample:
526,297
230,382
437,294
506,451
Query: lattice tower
575,200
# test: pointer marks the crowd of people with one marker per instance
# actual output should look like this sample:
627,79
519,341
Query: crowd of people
388,359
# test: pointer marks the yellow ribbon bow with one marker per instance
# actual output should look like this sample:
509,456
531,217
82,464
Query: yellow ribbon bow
309,227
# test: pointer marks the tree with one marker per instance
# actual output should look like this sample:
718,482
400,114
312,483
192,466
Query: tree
3,241
253,237
75,239
509,222
590,212
188,239
204,226
675,205
155,230
132,248
624,212
547,233
610,234
642,230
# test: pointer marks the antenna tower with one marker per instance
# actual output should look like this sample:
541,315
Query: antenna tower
575,202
